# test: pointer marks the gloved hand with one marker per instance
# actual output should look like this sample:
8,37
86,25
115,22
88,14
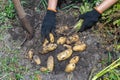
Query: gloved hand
90,18
48,24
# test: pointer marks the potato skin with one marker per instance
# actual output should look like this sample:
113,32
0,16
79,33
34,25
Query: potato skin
45,42
80,47
62,29
43,69
70,67
30,54
48,48
50,63
36,59
61,40
75,59
51,38
72,39
64,54
67,46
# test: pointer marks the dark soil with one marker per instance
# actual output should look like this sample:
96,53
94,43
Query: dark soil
90,59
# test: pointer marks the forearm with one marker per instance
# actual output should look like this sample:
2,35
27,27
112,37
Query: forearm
105,5
52,4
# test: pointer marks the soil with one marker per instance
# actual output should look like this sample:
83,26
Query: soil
90,59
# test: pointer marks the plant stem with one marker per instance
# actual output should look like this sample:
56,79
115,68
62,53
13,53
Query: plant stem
107,69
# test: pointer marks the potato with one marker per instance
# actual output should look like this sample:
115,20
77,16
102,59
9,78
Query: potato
45,42
61,40
51,38
43,69
50,63
72,39
48,48
75,59
64,54
80,47
67,46
78,42
62,29
70,67
30,53
36,59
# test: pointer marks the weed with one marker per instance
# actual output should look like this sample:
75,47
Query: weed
42,4
111,69
112,15
9,10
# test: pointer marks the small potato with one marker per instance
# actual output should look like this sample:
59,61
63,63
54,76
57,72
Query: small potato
61,40
70,67
48,48
30,54
75,59
72,39
78,42
51,38
36,59
50,63
43,69
80,47
64,54
67,46
62,29
45,42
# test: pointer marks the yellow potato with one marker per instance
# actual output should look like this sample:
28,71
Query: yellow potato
45,42
67,46
51,38
70,67
48,48
78,42
62,29
36,59
61,40
80,47
30,53
64,54
50,63
75,59
43,69
72,39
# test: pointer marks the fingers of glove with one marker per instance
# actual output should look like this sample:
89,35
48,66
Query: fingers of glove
44,32
53,32
82,28
86,25
47,34
82,16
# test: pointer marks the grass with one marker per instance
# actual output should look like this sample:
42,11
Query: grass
111,69
10,69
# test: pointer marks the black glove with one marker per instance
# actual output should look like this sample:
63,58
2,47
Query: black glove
90,18
48,24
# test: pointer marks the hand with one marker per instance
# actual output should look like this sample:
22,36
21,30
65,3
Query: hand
48,24
90,18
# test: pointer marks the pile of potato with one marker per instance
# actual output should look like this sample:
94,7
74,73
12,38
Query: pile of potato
72,44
